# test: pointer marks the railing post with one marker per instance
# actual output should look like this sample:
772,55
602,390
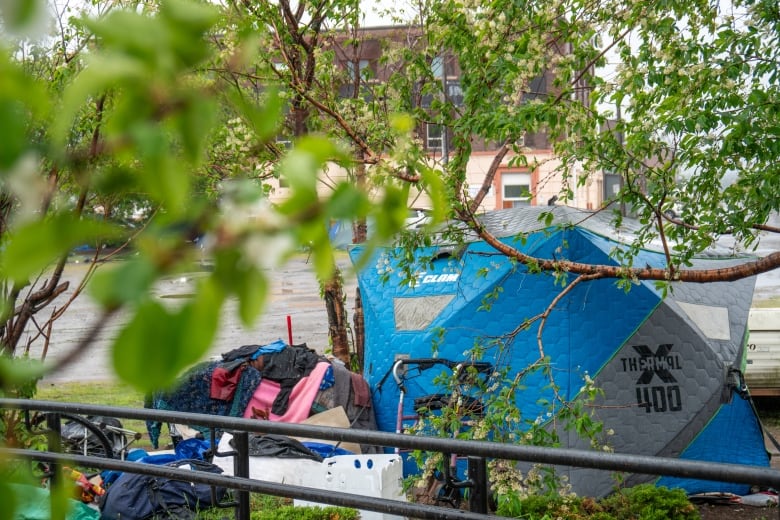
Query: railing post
241,469
478,494
54,439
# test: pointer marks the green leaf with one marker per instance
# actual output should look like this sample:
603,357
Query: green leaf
402,123
237,276
133,35
61,496
158,343
126,283
437,193
195,17
301,170
17,372
35,246
186,25
264,118
22,99
21,15
347,201
162,176
200,320
195,123
101,73
13,130
252,292
145,351
303,164
391,213
173,41
10,498
322,254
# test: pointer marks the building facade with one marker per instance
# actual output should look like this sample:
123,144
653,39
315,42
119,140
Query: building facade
538,184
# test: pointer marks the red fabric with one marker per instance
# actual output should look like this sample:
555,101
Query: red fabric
224,383
360,391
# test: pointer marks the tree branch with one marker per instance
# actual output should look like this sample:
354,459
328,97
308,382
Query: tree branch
489,176
723,274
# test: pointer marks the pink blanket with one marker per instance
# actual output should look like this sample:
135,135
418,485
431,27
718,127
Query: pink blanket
300,402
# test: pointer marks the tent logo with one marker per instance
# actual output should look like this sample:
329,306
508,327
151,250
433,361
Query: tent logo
437,278
653,366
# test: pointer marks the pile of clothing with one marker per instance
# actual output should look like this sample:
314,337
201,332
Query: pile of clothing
275,381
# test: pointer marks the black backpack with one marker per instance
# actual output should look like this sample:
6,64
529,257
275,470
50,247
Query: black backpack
142,497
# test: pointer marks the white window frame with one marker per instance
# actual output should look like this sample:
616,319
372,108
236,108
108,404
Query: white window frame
431,140
513,180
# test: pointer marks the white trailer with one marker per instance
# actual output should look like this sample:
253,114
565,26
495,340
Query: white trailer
762,369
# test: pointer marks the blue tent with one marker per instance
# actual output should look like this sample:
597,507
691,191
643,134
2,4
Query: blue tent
669,365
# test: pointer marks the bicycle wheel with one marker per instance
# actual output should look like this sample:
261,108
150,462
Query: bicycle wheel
80,435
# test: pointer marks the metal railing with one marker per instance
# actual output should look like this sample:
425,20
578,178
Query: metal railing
479,451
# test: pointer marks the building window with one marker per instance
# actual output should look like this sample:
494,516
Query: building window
454,92
537,89
283,142
516,189
434,139
363,68
366,79
437,67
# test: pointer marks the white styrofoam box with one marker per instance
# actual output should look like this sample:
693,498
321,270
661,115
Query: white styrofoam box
377,476
268,469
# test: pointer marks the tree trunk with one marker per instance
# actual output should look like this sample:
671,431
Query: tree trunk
333,292
360,332
359,235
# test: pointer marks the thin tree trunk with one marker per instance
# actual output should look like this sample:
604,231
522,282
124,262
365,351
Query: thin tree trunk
333,291
359,235
360,331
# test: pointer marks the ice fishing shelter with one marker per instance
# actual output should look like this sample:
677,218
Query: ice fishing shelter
669,366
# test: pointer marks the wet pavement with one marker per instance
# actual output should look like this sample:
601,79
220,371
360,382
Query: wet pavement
294,292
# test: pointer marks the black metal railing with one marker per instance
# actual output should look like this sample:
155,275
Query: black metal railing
478,451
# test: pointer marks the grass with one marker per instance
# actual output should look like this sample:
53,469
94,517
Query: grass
95,392
109,393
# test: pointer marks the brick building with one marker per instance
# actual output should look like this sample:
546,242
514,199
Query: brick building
512,186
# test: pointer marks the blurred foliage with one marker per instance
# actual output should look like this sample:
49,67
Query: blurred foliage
643,502
158,124
136,111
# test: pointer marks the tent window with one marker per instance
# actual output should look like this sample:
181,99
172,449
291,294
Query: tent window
418,313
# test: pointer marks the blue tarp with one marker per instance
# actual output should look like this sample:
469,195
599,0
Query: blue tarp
662,360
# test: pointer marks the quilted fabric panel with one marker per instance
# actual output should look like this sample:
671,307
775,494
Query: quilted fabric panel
663,378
